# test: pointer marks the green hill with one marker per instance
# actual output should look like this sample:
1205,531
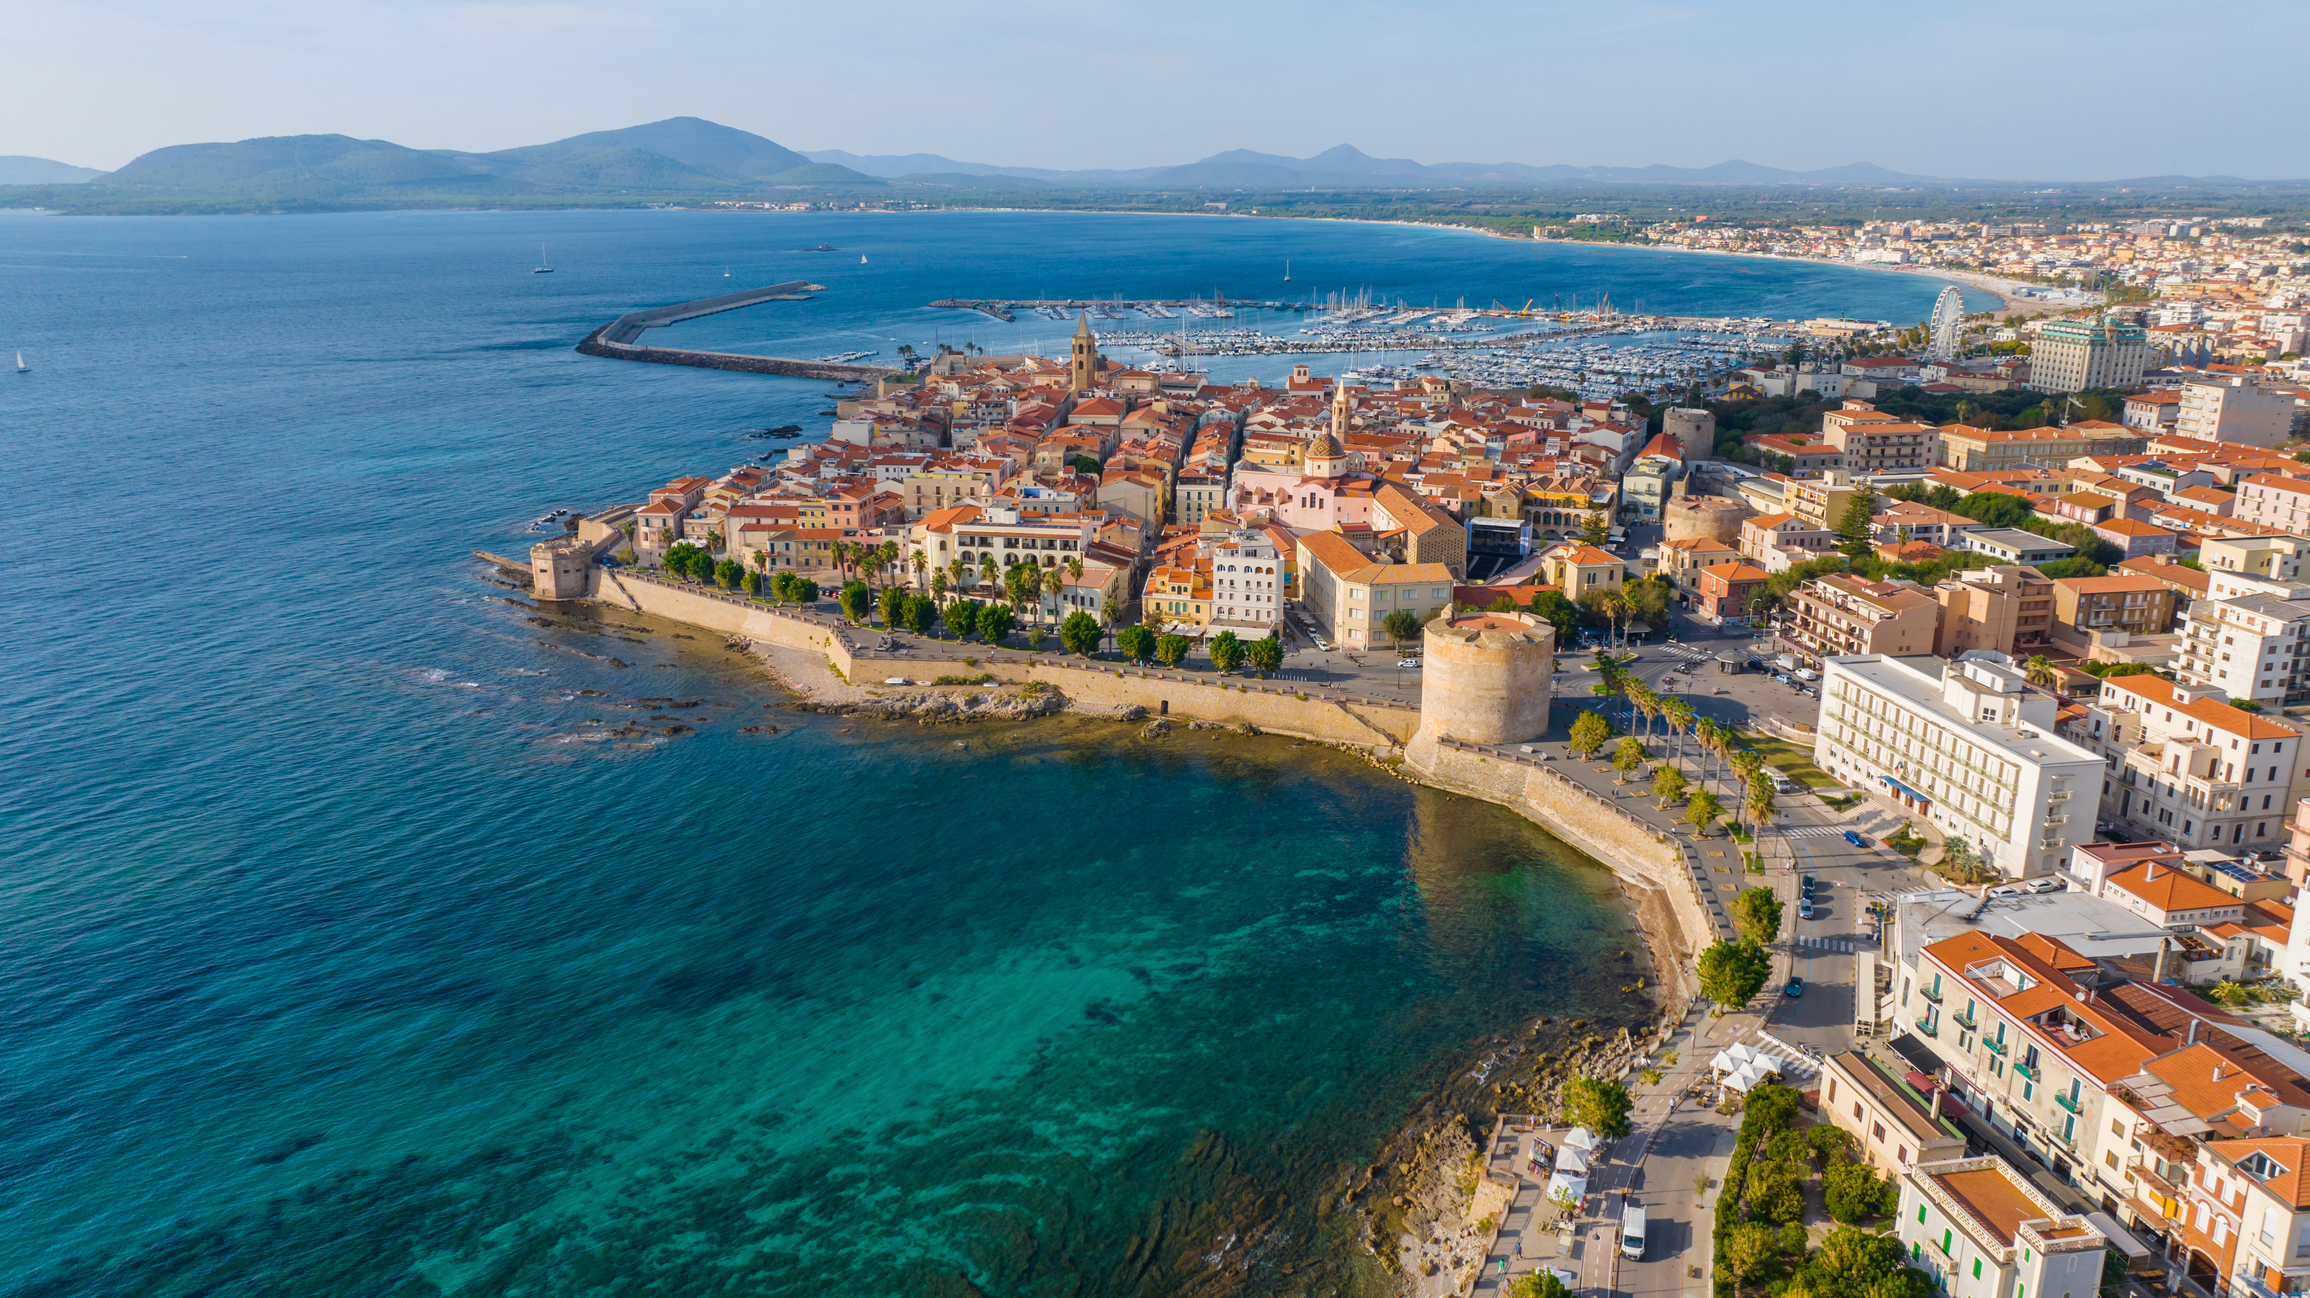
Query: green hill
824,173
694,141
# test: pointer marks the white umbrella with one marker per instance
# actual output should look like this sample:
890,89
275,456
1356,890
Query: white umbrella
1576,1184
1579,1138
1726,1061
1572,1160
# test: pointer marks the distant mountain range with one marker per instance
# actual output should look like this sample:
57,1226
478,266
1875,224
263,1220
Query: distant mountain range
689,156
1346,167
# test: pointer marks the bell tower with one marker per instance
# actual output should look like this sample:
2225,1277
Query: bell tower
1341,410
1083,365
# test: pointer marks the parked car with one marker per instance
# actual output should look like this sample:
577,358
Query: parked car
1782,677
1796,987
2050,883
2004,890
1810,884
1855,839
1407,662
1805,907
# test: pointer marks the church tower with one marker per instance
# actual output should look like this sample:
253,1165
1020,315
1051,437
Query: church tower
1083,367
1341,410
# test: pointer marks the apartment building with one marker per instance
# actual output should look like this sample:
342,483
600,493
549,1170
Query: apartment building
1247,581
2274,500
2012,545
1351,594
1979,1229
2259,1192
2188,768
2255,647
1872,441
2073,355
1840,614
2275,559
1892,1125
1578,569
1819,502
2127,602
2228,408
1917,522
1982,450
2006,608
1969,746
973,534
1765,534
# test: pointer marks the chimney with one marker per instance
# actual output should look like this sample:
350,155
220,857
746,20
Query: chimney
2150,875
2158,971
2193,1037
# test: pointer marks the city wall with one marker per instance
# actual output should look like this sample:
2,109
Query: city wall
727,614
1631,849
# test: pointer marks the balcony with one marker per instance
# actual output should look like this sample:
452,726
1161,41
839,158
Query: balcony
1932,993
2069,1102
1966,1020
2029,1071
1993,1046
1926,1026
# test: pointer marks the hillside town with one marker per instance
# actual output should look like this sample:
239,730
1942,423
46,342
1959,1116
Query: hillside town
2060,639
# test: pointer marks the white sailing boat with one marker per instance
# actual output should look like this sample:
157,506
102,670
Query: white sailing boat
544,267
1287,270
21,367
862,259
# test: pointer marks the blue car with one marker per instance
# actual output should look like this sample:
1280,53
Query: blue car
1855,839
1796,987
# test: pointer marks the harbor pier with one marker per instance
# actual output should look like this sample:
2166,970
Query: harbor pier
616,339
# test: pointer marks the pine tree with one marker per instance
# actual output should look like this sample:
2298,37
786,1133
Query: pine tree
1853,537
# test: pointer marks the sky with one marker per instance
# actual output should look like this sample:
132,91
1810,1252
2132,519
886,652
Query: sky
2021,90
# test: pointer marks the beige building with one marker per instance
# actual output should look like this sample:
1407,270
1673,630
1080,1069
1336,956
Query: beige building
1982,450
2230,409
1839,614
2130,602
1579,569
1875,442
1422,532
1819,502
2006,607
1979,1229
1893,1126
2073,355
1351,594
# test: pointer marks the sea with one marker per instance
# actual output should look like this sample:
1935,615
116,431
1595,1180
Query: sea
366,929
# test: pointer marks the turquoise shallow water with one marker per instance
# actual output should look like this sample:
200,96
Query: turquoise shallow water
340,954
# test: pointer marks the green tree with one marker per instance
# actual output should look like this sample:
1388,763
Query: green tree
921,613
1599,1104
1023,582
893,602
1760,803
1552,607
751,583
1265,655
1668,784
1628,758
1702,810
1589,731
802,590
1136,642
1853,1263
1853,535
1748,1250
1400,625
678,557
1852,1192
961,617
1595,531
995,622
1775,1191
728,572
854,600
1538,1284
1758,913
1226,651
1732,973
1080,633
1171,650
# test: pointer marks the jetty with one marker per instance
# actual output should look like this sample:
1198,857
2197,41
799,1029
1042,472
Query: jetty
616,339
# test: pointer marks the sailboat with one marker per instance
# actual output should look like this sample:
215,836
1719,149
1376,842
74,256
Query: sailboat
544,267
1287,270
725,272
862,259
21,367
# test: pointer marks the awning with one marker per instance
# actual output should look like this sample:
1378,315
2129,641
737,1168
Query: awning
1904,788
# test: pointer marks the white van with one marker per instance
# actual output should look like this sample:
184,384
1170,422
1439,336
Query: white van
1632,1232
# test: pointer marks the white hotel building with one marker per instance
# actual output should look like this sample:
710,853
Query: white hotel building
1968,746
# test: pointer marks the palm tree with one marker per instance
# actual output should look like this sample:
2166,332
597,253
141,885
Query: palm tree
1678,714
1645,701
1704,735
1055,588
920,561
954,574
890,557
938,585
2040,672
987,566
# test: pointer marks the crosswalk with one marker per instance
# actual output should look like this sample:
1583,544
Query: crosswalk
1826,944
1811,831
1685,651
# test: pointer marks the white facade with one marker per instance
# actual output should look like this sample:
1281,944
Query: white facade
2233,410
2254,647
1971,749
2072,355
2195,771
1967,1238
1246,581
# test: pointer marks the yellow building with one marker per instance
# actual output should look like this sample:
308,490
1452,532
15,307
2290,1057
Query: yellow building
1578,569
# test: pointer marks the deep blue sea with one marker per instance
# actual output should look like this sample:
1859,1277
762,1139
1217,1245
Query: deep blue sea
341,953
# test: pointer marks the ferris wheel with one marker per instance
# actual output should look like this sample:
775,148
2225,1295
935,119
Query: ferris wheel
1948,322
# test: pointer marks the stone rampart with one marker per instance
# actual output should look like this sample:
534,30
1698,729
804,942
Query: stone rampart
1629,847
728,614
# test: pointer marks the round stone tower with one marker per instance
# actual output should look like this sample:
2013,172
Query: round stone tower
1486,679
1692,430
1716,517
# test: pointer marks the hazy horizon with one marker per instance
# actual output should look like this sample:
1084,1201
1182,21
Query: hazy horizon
2028,92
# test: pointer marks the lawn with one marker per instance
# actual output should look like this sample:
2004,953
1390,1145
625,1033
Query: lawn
1791,761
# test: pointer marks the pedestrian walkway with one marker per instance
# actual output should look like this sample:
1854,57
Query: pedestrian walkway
1847,945
1812,831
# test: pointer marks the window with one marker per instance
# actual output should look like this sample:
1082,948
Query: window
1877,1131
